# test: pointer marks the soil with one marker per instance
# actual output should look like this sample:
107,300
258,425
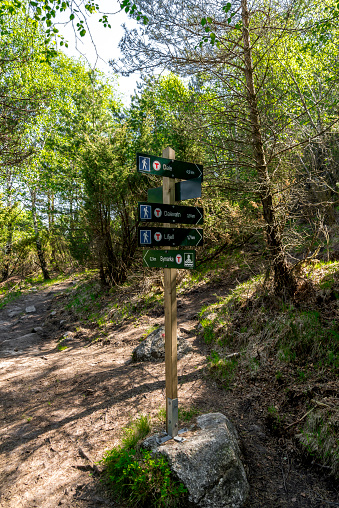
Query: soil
61,409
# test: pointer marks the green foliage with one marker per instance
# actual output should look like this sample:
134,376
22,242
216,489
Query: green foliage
62,348
208,330
222,369
85,298
9,297
135,431
142,479
320,438
306,339
137,476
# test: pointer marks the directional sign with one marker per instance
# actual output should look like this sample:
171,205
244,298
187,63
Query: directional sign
169,259
173,237
152,165
152,212
189,189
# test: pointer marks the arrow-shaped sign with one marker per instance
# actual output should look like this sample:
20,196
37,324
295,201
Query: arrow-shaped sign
169,259
152,165
174,237
151,212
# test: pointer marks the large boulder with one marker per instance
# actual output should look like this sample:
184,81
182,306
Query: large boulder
153,347
208,463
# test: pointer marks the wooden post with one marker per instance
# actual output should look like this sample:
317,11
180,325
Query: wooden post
170,303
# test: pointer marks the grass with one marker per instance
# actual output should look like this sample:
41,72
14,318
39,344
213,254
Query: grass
320,438
136,431
61,347
222,369
136,476
307,338
9,298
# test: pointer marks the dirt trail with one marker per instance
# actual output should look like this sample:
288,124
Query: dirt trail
61,409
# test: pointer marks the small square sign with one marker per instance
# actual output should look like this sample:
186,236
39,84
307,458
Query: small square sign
188,260
145,212
145,237
144,163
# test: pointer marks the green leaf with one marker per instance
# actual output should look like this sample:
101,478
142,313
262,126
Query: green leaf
82,32
227,7
203,21
209,20
71,16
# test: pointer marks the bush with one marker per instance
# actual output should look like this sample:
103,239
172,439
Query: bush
137,476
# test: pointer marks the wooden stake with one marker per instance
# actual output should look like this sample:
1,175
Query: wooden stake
170,303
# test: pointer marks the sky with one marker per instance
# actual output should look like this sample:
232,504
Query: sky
106,43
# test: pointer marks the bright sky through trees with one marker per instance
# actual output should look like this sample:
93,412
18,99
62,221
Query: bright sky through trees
101,44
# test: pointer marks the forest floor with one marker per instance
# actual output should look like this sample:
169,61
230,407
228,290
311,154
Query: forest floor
62,408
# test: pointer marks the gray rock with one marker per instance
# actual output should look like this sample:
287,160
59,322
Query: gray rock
53,313
209,463
255,429
37,329
15,311
153,347
30,308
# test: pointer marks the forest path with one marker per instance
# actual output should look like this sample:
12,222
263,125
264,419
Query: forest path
62,409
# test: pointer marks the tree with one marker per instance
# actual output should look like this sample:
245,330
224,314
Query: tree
255,114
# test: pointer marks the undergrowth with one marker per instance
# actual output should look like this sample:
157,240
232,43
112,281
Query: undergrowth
320,438
254,334
7,297
139,477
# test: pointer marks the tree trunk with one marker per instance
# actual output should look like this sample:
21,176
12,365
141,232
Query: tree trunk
284,280
39,249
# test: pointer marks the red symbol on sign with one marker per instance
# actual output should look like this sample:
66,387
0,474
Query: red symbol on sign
178,259
158,236
156,165
157,212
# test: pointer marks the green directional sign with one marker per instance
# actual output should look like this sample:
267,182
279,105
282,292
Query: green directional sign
151,212
174,237
169,259
151,165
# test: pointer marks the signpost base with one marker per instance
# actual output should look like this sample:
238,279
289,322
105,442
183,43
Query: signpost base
176,438
172,417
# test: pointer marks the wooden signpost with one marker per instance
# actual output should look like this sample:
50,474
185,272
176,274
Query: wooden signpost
170,260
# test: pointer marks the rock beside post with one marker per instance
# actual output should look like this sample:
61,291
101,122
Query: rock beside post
153,347
208,463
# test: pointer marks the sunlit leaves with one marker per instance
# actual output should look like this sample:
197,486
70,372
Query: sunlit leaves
131,8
